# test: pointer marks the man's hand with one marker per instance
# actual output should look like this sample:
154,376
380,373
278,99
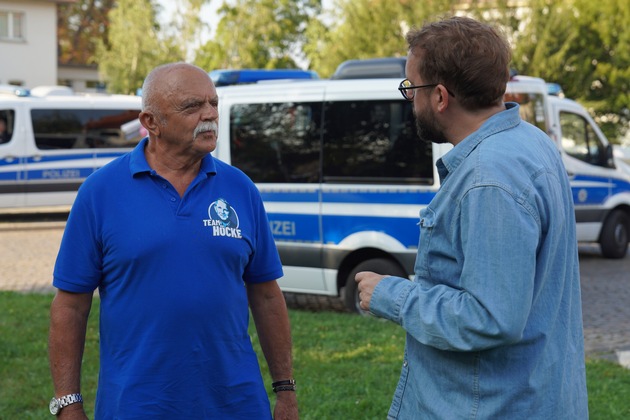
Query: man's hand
72,412
286,406
367,281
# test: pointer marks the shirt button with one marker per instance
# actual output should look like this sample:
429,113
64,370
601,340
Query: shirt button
173,199
405,363
164,186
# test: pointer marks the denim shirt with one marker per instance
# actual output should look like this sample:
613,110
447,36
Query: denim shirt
493,316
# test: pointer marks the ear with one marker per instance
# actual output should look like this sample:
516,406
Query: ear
149,121
442,98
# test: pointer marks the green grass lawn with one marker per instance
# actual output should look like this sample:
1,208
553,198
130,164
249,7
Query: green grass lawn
346,366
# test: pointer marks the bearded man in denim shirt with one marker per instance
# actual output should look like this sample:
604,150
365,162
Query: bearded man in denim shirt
493,316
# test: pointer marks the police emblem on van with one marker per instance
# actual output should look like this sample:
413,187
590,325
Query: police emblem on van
223,219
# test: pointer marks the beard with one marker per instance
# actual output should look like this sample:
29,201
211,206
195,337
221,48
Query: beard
427,128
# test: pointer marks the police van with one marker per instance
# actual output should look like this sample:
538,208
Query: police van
54,139
338,163
600,183
344,177
341,172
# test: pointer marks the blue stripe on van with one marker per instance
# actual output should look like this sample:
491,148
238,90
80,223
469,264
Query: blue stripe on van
295,227
304,228
590,190
405,230
290,196
379,197
345,195
620,186
60,173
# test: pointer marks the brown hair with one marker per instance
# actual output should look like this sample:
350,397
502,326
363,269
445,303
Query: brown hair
470,58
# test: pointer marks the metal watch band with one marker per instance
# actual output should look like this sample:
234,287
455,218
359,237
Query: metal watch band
56,404
69,399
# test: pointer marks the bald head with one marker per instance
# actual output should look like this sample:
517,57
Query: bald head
165,79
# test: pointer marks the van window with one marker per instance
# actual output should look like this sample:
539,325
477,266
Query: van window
7,123
374,142
531,107
580,140
276,142
82,128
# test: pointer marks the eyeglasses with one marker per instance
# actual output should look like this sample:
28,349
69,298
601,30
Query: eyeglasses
408,90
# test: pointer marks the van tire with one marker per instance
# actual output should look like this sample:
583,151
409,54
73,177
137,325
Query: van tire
350,294
615,235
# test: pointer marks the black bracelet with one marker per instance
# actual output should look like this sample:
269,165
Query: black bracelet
286,385
284,388
285,382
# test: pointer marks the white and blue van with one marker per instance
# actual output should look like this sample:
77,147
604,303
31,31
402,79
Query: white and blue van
55,139
344,177
338,163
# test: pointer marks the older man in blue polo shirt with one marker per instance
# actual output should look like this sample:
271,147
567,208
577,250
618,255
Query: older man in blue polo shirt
174,282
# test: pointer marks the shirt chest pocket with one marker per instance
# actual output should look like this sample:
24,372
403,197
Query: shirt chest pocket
427,224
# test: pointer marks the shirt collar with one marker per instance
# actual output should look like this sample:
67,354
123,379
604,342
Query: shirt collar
500,121
138,161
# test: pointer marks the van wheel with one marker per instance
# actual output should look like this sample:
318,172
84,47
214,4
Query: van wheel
378,265
615,235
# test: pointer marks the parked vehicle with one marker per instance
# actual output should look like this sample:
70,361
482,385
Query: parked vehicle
337,162
55,140
344,177
341,172
600,183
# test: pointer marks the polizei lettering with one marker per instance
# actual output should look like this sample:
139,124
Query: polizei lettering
219,229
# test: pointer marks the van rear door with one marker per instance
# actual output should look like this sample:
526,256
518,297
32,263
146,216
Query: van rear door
12,161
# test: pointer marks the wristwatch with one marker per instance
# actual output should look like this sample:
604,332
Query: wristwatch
56,404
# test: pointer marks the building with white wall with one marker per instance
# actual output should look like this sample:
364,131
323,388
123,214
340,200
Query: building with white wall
28,42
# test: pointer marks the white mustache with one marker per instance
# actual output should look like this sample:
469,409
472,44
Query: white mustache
205,126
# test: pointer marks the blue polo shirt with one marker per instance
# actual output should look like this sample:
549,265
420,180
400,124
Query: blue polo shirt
171,275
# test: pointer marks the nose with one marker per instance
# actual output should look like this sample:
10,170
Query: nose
210,112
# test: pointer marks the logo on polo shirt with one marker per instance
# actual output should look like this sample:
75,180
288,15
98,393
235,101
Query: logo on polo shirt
223,219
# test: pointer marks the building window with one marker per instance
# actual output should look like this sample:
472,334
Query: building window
12,26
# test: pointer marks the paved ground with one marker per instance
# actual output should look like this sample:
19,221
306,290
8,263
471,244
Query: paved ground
28,250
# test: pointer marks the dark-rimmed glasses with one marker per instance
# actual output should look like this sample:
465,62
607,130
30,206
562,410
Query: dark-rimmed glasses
408,90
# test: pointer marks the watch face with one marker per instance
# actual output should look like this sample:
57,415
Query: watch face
54,406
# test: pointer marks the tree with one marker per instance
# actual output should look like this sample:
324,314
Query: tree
80,26
583,46
185,28
133,46
367,29
258,34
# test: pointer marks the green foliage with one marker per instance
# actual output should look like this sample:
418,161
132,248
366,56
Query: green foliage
134,46
346,366
184,29
582,45
258,34
367,29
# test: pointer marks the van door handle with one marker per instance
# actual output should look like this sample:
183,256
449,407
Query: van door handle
10,158
37,158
